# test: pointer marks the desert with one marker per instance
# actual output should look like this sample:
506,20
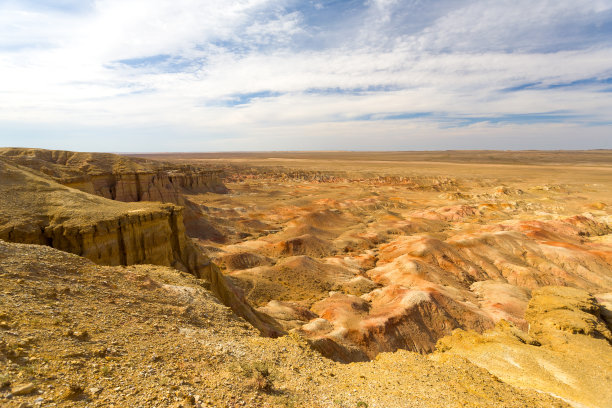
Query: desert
305,204
292,279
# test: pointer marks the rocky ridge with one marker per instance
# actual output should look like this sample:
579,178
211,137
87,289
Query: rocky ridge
36,209
118,177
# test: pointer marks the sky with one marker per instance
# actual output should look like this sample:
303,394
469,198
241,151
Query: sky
242,75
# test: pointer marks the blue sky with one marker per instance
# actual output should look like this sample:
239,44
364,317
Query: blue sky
200,75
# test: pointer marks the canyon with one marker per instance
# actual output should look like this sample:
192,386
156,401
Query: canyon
380,255
39,210
489,262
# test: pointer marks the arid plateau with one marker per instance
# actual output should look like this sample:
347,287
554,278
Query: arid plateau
306,279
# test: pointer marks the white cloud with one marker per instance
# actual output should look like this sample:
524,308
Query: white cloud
62,67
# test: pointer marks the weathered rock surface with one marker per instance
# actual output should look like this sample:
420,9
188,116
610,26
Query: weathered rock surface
556,310
157,337
567,351
388,319
37,210
118,177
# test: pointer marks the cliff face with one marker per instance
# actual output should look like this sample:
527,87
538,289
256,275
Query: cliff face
118,177
151,236
164,185
37,210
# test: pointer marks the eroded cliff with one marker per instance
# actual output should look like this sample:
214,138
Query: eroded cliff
118,177
36,210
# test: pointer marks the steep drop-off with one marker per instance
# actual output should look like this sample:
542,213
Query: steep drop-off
118,177
37,210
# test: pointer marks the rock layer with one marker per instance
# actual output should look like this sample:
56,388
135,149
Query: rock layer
164,186
37,210
567,351
118,177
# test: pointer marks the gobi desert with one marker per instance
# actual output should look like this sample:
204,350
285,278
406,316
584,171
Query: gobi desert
306,203
306,279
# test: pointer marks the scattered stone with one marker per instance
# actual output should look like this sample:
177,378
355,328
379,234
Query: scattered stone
81,335
24,389
72,392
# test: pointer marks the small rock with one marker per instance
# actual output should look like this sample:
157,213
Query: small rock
23,389
95,390
73,392
5,383
81,335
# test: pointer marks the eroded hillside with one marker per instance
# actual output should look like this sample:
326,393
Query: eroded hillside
35,209
449,283
372,256
150,336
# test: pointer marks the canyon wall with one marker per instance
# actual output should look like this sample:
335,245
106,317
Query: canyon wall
118,177
145,236
163,185
37,210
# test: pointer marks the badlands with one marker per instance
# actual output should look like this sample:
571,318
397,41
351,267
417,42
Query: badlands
319,279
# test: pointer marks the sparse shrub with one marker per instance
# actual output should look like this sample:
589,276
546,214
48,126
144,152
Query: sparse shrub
72,392
361,404
105,371
260,375
28,370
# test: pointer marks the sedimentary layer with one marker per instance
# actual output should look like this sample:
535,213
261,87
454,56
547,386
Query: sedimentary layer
118,177
37,210
148,336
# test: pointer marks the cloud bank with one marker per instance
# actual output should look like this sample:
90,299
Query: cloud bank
188,75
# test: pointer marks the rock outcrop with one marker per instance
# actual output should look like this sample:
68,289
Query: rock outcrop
37,210
118,177
567,351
